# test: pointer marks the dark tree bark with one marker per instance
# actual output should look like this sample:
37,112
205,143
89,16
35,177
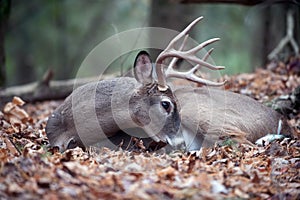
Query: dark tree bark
61,43
4,15
275,28
24,65
171,15
272,30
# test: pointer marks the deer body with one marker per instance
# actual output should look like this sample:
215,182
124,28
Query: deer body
99,110
208,114
62,120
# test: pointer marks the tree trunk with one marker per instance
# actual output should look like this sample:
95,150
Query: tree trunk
4,15
271,30
61,43
171,15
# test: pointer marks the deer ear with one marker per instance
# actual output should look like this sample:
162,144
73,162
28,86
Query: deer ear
143,68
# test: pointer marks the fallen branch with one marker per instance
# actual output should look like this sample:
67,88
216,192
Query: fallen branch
44,89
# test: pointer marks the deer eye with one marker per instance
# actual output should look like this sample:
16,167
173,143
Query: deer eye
72,144
166,104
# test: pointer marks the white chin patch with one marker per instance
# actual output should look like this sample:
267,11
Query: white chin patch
175,141
155,138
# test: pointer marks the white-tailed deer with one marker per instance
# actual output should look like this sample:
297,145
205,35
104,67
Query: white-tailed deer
101,109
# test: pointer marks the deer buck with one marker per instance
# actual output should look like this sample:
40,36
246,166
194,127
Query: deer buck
201,116
100,110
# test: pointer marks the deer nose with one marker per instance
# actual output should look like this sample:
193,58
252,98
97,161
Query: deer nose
61,147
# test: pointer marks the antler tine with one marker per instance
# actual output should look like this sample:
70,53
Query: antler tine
175,39
175,59
205,57
189,55
190,75
162,85
170,68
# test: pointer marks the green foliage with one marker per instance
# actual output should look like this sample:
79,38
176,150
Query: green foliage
59,34
228,23
46,153
229,142
4,9
19,147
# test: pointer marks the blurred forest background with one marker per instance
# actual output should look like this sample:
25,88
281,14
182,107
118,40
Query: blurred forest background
37,35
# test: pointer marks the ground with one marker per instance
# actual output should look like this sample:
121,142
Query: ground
31,170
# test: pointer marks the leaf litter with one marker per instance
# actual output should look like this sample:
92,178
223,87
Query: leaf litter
29,169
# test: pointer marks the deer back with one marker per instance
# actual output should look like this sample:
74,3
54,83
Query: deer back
209,113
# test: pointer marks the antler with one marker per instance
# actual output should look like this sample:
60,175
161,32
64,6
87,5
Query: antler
189,55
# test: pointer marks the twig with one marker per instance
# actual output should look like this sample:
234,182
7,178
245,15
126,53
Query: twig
288,38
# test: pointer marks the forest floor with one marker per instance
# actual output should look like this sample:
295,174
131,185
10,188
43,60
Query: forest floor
31,170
